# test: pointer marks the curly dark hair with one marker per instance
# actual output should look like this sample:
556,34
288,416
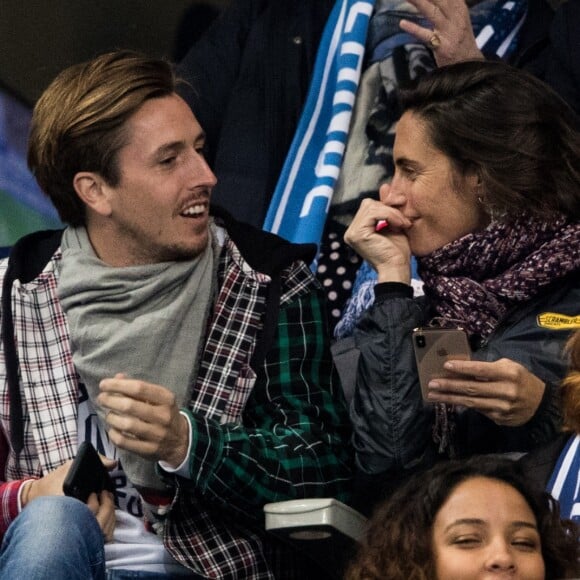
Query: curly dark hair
398,542
571,385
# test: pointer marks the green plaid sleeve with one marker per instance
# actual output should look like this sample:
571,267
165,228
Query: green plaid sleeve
294,441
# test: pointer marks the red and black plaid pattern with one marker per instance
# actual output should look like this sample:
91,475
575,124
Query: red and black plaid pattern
48,377
215,542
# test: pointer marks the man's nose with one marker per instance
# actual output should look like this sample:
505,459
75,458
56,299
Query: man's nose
201,172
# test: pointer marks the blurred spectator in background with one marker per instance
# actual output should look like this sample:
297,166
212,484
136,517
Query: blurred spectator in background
195,21
251,72
545,41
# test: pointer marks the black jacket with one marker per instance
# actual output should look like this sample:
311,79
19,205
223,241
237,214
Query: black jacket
392,426
549,47
538,465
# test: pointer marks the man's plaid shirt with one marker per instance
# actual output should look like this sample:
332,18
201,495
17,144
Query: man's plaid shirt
279,434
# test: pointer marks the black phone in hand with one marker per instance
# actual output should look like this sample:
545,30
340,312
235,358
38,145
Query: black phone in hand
87,474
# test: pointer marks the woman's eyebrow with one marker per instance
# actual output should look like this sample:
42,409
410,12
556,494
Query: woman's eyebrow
523,524
480,522
406,161
466,521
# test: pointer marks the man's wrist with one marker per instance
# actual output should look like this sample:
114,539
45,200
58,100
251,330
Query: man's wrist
24,495
180,461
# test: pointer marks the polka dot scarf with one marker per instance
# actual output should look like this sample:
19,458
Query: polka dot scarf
336,269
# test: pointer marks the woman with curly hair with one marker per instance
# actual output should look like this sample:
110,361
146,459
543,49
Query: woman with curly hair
556,466
571,386
466,520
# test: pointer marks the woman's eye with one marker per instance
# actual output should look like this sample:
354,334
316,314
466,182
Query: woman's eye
467,541
528,545
168,160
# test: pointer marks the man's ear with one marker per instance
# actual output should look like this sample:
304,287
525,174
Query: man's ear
93,191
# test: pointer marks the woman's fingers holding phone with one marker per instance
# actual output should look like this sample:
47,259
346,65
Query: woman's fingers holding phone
504,390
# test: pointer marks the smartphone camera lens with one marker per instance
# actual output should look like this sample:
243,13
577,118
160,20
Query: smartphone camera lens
420,341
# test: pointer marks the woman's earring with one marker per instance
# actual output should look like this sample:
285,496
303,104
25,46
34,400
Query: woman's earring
487,208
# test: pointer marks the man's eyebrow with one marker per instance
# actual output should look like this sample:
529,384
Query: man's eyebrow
170,147
178,145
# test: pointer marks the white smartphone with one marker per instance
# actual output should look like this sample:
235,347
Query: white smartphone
433,347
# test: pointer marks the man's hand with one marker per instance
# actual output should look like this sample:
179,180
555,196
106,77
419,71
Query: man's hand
51,483
504,391
144,418
103,507
451,24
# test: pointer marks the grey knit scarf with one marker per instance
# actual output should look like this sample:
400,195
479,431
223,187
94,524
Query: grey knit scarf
145,321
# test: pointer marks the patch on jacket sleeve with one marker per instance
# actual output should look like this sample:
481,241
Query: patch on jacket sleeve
555,321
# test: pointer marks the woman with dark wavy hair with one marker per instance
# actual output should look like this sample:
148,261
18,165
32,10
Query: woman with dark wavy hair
465,520
486,197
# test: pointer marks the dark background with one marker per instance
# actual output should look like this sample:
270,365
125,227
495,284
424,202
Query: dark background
38,38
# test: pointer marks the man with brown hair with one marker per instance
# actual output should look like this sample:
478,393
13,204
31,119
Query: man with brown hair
188,347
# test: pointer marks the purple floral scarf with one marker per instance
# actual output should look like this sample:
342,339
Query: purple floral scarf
475,280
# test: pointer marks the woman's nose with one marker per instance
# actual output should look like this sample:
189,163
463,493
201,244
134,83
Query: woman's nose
500,557
392,193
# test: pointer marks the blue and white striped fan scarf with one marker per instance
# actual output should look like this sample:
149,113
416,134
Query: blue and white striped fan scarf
564,484
302,197
304,191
